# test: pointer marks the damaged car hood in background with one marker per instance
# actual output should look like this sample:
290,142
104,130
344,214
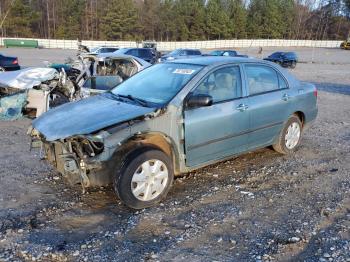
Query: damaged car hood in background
27,78
86,116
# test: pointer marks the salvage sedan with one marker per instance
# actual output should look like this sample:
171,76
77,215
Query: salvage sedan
173,118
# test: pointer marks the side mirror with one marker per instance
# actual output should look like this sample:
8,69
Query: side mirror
199,101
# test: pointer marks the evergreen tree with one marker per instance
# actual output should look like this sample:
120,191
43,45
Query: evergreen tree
265,19
238,18
21,19
120,21
217,21
70,26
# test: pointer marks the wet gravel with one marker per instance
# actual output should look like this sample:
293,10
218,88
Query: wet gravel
260,206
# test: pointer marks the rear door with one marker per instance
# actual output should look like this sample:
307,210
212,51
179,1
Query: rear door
269,103
217,131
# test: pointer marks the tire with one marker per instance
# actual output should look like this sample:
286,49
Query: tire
285,145
293,64
2,69
133,174
56,99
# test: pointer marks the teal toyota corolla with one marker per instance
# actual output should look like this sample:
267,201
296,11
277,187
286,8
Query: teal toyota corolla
173,118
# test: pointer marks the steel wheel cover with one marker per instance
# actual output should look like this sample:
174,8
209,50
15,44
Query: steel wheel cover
149,180
293,135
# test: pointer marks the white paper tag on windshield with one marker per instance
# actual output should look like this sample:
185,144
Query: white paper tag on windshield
183,71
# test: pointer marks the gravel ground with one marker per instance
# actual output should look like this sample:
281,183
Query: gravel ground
260,206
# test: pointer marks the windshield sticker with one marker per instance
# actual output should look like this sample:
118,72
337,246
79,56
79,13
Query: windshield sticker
184,71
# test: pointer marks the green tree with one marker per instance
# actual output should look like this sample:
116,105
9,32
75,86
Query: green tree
21,20
120,21
238,18
217,21
70,13
265,19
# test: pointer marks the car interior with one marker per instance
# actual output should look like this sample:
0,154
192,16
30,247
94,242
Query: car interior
223,84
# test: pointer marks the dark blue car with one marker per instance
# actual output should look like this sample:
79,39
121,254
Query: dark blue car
8,63
285,59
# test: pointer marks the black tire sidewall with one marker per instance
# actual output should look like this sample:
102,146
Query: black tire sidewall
60,100
282,141
122,180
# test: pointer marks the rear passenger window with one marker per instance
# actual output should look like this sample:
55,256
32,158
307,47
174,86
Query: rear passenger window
261,79
133,52
145,53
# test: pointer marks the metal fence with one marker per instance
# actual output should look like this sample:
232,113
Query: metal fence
213,44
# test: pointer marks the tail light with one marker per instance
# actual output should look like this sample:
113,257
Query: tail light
315,92
15,62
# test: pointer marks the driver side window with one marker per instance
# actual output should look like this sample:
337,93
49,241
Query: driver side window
222,85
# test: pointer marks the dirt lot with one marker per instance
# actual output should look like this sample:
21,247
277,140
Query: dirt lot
260,206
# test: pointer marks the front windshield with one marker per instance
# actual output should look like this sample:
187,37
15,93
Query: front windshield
216,53
158,84
175,52
94,49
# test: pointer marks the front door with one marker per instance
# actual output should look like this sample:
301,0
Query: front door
220,130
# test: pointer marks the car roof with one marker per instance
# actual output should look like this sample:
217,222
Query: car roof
223,50
105,46
190,49
217,60
122,56
128,48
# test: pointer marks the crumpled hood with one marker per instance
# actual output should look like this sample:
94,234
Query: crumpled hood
27,78
86,116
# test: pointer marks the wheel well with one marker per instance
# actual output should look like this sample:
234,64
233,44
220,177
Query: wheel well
301,116
145,142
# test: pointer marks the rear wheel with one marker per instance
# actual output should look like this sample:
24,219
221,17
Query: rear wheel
293,64
144,179
290,136
2,69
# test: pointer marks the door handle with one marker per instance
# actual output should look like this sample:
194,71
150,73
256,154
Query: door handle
242,107
285,97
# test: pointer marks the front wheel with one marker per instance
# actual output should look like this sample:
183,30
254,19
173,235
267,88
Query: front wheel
290,136
293,64
144,179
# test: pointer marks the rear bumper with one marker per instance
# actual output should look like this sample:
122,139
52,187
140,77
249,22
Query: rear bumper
12,68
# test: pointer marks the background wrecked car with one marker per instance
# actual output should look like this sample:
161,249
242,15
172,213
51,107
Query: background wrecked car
33,90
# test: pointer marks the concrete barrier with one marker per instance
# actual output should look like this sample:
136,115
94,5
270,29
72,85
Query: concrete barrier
167,46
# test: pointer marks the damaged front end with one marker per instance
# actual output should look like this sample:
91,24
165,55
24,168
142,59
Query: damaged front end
73,157
79,139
